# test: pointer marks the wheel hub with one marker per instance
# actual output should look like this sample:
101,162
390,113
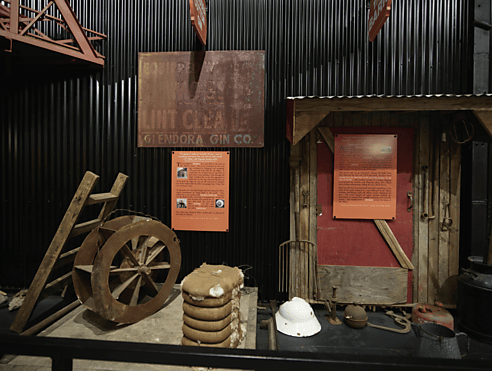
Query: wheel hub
144,270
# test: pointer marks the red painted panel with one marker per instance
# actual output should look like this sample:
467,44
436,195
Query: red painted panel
358,242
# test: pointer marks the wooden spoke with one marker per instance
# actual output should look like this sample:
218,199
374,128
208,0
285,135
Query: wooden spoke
136,292
125,250
117,292
152,241
150,283
122,270
89,268
106,232
161,266
136,240
135,243
85,268
155,251
143,251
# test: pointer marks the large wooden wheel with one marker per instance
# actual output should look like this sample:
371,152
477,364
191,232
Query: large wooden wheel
125,269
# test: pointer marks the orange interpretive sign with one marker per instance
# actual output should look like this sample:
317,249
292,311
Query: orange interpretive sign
200,191
365,176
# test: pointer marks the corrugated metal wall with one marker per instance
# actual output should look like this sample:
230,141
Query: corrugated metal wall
57,125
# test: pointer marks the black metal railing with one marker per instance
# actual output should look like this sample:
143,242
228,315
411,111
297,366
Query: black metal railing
63,351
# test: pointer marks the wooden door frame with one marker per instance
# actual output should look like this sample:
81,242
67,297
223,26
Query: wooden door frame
304,115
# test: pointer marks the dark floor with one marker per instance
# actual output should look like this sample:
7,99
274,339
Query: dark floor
343,339
42,310
334,339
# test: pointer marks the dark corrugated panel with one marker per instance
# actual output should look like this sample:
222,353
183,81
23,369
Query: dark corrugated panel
58,125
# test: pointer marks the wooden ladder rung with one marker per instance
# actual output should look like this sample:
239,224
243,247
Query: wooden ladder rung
56,285
84,227
66,258
100,198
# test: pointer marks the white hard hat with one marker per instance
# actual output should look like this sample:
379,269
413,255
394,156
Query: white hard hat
296,318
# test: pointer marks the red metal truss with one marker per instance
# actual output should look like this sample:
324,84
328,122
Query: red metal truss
17,27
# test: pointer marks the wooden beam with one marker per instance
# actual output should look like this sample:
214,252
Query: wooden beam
444,295
101,198
485,118
304,123
392,242
364,285
116,189
66,258
421,208
433,216
454,232
312,251
385,103
62,234
56,285
304,216
84,227
327,135
414,121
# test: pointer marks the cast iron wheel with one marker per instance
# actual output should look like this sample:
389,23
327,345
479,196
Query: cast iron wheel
128,278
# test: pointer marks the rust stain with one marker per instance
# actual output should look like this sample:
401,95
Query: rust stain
201,99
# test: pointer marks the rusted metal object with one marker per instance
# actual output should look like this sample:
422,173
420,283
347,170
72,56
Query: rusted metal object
399,320
422,313
331,307
201,99
355,316
27,41
119,264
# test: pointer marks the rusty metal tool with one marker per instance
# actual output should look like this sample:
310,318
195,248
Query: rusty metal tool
272,328
331,307
399,320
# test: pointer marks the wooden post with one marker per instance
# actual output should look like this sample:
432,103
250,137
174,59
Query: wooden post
444,218
312,252
454,232
434,218
423,251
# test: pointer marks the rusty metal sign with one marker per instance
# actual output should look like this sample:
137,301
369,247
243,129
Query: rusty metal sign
201,99
198,12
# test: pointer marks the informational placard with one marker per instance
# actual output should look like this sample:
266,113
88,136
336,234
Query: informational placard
365,176
379,11
200,191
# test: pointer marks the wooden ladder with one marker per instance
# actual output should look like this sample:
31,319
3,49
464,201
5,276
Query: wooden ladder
53,258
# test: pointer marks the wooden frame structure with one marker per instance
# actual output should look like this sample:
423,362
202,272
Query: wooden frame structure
17,27
436,245
304,114
54,258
